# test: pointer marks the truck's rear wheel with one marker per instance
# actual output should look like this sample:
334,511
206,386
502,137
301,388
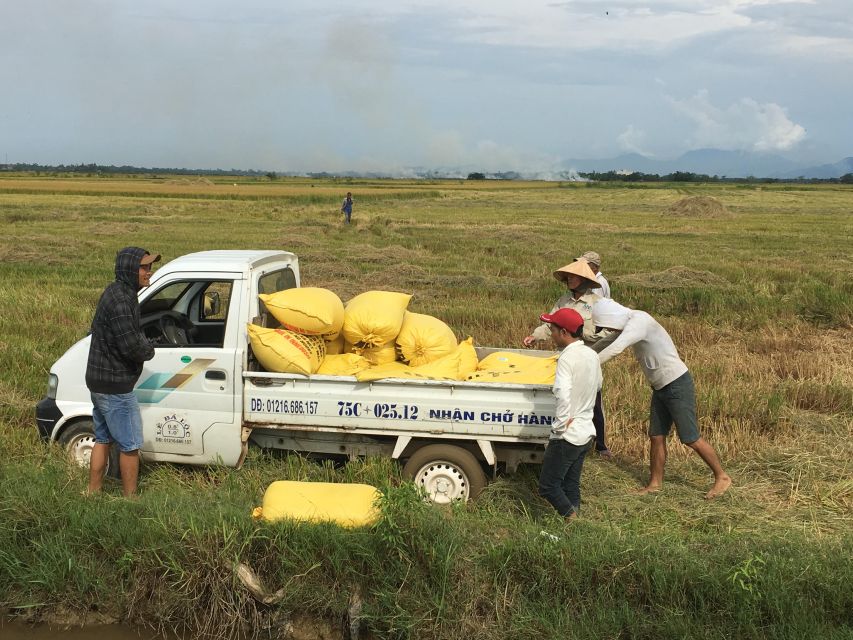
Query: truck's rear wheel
78,440
446,473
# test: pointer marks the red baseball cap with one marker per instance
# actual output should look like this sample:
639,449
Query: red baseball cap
567,319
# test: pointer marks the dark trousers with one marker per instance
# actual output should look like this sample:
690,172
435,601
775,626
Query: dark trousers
598,421
560,479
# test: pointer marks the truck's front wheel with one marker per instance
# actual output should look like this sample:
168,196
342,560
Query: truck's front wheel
79,440
446,473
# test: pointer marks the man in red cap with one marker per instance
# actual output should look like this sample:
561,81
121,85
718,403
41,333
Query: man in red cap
576,385
580,280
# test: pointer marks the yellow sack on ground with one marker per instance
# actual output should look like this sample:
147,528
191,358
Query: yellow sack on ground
309,310
284,351
379,355
374,317
343,364
503,366
349,505
336,346
423,338
467,358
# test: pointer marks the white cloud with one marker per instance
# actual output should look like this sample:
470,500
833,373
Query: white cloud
649,25
745,124
634,140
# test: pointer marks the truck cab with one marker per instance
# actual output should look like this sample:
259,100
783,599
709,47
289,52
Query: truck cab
194,312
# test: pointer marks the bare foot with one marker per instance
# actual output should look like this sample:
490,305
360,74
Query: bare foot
720,487
652,488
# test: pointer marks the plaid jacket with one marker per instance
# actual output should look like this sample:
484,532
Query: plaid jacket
118,346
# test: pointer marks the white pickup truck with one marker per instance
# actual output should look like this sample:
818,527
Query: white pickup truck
204,398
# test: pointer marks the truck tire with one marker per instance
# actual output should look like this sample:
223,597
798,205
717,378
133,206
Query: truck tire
446,473
78,440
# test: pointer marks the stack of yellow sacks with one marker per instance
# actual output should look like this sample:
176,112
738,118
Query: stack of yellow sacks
375,336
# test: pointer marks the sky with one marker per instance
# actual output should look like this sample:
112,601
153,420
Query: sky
380,85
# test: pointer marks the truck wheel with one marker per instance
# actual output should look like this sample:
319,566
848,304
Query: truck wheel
79,440
446,473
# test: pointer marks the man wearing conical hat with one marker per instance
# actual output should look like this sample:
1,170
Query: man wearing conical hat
593,259
579,279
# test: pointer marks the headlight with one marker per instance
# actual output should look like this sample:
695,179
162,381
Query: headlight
52,384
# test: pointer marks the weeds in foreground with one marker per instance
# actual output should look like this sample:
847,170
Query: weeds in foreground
764,326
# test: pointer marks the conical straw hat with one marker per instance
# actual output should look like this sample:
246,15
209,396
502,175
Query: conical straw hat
578,268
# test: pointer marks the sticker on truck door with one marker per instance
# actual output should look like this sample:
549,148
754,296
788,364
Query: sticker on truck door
158,385
173,429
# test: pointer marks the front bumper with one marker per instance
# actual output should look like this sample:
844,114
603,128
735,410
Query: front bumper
47,415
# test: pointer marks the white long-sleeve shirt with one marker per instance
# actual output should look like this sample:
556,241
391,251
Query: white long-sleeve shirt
652,346
603,289
576,384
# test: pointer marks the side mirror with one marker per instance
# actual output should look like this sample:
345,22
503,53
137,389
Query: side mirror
212,304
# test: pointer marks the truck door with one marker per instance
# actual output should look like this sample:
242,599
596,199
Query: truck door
190,386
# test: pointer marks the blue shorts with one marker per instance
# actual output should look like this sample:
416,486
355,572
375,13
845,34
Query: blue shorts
117,419
676,402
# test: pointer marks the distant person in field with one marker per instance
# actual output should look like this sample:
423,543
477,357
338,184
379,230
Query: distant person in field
576,386
580,280
673,393
594,262
346,208
116,353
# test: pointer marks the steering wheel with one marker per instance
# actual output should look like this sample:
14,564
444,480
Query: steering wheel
176,328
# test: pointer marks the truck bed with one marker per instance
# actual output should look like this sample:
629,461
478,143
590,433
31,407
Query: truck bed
493,411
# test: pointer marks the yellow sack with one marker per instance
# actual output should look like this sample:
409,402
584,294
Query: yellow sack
446,368
389,370
503,366
349,505
284,351
374,317
336,346
309,310
343,364
467,358
423,339
382,354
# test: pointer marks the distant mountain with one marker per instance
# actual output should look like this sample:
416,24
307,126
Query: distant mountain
627,162
738,164
714,162
835,170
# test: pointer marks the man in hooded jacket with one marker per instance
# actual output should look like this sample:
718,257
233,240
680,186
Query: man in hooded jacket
118,349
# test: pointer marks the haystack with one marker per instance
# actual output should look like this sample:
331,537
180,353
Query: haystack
698,207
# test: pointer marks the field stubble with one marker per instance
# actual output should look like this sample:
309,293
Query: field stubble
758,302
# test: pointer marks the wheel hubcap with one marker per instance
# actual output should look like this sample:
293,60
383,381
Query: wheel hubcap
80,450
443,482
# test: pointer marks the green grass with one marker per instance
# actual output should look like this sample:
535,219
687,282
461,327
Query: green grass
759,304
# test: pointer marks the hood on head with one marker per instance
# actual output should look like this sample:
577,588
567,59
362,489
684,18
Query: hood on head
127,266
609,314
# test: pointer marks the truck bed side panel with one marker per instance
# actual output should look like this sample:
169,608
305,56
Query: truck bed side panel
504,412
